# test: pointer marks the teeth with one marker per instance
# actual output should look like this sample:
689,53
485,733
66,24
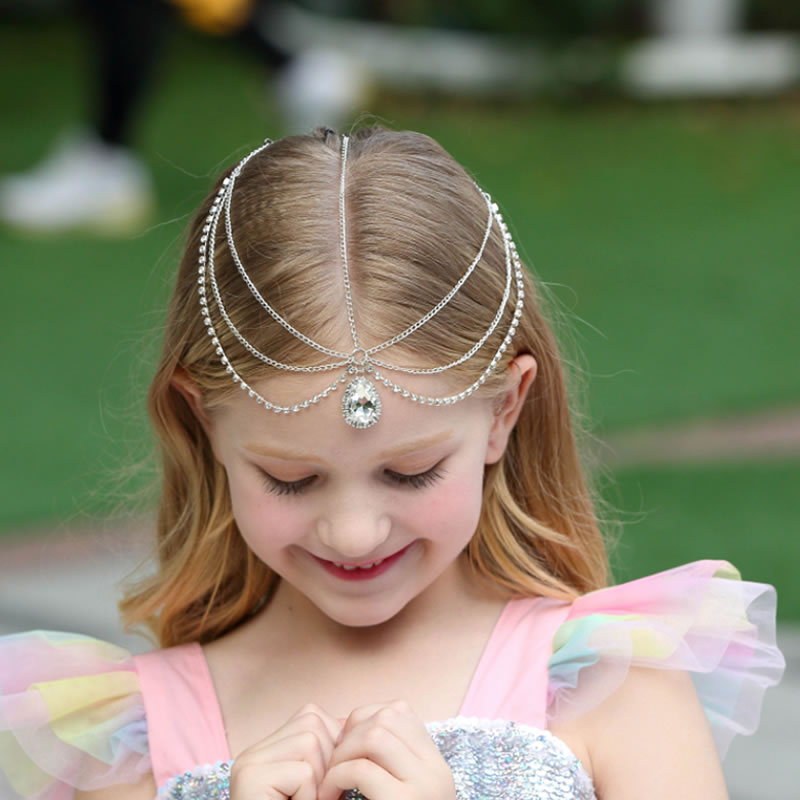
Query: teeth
350,567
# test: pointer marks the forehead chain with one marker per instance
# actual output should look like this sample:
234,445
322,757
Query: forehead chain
360,368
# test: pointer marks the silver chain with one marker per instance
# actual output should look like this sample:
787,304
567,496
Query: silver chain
246,278
360,360
448,297
348,295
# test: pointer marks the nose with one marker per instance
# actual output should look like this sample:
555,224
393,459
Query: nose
354,533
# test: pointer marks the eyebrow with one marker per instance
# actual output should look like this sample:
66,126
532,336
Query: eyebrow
394,452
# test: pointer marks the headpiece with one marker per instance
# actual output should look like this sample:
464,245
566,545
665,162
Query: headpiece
361,368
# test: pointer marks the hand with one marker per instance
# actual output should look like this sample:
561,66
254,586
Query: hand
290,763
386,752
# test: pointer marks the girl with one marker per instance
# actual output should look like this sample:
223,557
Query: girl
379,568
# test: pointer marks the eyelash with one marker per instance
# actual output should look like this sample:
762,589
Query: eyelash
418,481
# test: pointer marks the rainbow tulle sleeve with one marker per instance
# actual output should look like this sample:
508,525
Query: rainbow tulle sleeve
701,618
71,716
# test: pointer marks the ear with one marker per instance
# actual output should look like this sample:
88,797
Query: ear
522,372
183,384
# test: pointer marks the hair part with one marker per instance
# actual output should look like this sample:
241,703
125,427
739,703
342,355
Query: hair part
415,220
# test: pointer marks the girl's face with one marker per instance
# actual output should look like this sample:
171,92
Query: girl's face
361,522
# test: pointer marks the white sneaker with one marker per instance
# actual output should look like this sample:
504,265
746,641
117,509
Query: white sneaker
82,184
320,87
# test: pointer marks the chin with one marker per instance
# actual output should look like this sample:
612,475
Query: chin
364,617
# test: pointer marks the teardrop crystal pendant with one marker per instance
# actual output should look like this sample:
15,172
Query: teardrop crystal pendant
361,405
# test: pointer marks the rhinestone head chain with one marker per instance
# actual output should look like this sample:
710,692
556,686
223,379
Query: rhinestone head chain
361,369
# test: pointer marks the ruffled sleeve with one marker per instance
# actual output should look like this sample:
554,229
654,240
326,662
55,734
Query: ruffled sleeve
701,618
71,716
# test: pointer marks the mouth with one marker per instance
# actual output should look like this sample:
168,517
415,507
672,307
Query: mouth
364,570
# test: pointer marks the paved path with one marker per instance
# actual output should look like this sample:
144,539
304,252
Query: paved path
69,582
770,434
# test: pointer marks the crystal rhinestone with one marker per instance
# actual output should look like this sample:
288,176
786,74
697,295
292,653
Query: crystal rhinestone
361,404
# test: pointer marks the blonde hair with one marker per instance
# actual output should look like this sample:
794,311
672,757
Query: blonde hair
415,221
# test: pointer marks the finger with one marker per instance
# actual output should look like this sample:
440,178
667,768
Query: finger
363,713
381,746
332,725
303,746
398,718
368,777
286,779
309,718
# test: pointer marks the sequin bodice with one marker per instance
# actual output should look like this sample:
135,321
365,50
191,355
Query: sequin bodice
488,759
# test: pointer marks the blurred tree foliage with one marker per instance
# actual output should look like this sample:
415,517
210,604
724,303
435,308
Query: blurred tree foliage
557,19
554,20
774,15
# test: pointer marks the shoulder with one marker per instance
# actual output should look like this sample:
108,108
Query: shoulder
684,633
649,737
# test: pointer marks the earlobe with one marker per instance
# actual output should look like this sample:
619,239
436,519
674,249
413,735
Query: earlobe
522,373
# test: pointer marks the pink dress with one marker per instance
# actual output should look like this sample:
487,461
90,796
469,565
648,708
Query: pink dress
76,712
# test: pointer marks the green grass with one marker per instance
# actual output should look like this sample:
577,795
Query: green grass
669,233
744,513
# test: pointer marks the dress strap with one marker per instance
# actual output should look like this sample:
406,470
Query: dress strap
510,681
184,720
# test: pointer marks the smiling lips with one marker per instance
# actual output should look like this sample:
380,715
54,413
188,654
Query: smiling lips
364,571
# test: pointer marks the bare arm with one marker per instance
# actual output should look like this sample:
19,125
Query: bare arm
651,739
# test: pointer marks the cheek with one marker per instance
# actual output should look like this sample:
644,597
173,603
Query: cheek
265,521
451,513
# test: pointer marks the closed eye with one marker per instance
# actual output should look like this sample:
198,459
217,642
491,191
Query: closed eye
417,481
280,487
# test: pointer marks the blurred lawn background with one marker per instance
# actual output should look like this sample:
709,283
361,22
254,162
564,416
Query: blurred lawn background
669,233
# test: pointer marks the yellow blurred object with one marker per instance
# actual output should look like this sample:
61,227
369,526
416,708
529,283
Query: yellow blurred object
215,16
